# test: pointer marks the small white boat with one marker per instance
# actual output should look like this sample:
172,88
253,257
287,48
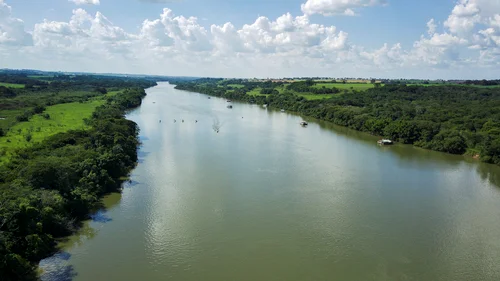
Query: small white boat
282,110
385,142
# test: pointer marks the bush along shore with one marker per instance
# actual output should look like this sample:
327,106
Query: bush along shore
452,119
46,190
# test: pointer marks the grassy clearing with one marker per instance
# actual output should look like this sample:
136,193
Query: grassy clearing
8,118
347,86
112,93
315,97
239,86
255,92
10,85
63,117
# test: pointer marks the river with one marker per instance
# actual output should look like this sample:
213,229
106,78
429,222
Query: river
266,199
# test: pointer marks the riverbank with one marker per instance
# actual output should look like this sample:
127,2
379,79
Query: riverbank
47,189
449,119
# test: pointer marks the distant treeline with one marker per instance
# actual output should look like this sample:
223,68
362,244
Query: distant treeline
72,82
482,82
453,119
47,189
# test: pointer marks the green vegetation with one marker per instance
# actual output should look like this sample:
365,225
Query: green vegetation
255,92
454,119
56,119
64,145
462,85
239,86
11,85
315,97
346,86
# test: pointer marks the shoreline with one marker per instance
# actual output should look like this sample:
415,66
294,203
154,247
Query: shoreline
468,155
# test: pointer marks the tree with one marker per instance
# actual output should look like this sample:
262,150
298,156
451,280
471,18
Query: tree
39,109
101,90
6,92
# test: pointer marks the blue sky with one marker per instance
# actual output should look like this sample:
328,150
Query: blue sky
353,38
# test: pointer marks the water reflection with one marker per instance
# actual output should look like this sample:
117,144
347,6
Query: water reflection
490,173
56,268
100,216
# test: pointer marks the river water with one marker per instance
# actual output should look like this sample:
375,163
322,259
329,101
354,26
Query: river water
266,199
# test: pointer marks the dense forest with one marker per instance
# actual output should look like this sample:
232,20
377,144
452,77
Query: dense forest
453,119
47,189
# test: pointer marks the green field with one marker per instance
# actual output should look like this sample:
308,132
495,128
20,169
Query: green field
239,86
8,118
347,86
10,85
255,92
315,97
112,93
63,117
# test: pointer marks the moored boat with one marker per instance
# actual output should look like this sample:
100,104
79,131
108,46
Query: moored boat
385,142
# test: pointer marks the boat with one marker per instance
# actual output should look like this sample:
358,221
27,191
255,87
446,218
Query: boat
282,110
208,97
385,142
228,100
303,123
229,106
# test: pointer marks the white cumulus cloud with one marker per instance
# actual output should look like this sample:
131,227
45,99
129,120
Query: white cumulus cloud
85,2
337,7
12,30
431,27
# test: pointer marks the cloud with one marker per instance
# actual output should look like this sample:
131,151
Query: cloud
463,17
85,2
431,27
290,35
288,45
337,7
84,36
12,32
